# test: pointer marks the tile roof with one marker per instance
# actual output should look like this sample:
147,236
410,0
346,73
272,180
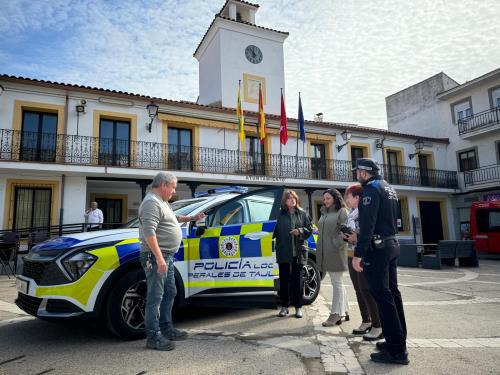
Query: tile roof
239,1
242,22
193,105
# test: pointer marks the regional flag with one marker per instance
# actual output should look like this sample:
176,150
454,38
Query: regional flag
262,118
284,122
300,123
241,119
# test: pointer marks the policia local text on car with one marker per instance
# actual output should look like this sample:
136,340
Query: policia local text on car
378,248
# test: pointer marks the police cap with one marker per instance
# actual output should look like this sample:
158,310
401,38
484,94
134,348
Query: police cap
366,164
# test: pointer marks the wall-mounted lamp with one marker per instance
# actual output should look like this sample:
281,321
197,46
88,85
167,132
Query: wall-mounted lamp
80,110
346,136
379,143
152,112
419,145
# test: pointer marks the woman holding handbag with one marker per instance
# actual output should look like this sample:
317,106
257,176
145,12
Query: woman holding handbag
331,252
293,227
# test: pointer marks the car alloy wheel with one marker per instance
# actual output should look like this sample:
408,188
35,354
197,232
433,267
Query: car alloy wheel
311,282
133,305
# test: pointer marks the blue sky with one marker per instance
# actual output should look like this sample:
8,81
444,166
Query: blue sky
344,56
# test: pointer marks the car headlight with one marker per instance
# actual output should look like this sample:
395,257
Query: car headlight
77,264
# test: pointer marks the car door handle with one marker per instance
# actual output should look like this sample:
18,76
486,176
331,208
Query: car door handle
256,235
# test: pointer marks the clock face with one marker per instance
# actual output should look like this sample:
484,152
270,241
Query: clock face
253,54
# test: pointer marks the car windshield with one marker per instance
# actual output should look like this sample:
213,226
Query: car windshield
180,208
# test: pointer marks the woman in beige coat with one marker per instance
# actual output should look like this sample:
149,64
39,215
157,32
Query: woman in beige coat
332,252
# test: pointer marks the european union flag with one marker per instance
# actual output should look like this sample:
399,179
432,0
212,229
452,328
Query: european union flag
302,129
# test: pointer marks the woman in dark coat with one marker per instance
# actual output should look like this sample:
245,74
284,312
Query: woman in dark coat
292,229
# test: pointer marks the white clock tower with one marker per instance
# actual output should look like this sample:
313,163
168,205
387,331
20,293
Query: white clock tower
234,48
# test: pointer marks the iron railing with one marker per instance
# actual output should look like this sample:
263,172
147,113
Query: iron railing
480,120
483,175
21,146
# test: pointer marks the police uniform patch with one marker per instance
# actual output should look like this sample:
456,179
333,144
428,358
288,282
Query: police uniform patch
367,201
229,246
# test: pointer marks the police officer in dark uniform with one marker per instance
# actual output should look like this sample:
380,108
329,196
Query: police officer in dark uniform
376,253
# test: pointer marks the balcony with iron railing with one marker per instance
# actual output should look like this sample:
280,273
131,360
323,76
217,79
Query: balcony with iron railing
91,151
488,175
480,123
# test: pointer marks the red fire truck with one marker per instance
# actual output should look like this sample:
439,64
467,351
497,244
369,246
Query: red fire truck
485,226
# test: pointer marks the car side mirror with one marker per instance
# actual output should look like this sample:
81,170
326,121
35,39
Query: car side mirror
200,231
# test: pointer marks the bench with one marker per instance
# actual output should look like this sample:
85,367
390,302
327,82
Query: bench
466,254
445,254
408,255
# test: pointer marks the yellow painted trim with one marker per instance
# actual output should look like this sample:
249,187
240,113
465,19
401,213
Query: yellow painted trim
215,283
195,134
365,146
444,215
430,159
319,141
246,96
399,154
316,202
405,213
17,120
9,198
119,116
123,197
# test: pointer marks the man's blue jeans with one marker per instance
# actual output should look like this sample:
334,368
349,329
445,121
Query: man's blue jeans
160,295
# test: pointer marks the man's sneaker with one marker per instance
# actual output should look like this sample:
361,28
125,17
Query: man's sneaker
298,312
159,342
374,334
175,335
362,329
387,357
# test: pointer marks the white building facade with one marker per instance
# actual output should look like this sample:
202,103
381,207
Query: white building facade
63,146
468,115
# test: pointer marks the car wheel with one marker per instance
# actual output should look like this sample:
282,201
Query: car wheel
312,282
126,304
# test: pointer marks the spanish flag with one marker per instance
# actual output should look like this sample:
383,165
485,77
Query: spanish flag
262,118
241,119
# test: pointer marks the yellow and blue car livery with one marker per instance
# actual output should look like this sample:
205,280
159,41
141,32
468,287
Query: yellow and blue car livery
89,273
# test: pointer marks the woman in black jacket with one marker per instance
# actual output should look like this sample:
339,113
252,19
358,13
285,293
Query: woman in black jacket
292,229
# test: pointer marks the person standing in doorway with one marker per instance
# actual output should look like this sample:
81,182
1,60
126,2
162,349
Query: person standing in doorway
331,252
94,217
378,248
161,236
370,326
292,229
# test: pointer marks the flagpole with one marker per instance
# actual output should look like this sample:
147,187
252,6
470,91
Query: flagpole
281,145
298,135
239,140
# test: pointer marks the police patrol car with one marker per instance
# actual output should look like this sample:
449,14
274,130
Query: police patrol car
226,257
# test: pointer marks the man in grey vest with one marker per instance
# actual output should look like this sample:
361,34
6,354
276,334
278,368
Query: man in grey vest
161,236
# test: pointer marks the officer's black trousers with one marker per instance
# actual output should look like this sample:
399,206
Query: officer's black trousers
380,269
291,283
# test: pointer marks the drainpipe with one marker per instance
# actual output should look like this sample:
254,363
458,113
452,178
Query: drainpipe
61,210
63,177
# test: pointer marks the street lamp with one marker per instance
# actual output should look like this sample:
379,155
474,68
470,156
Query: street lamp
80,110
419,145
346,136
152,112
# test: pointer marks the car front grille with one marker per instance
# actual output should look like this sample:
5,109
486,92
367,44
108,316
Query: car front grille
28,303
44,273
